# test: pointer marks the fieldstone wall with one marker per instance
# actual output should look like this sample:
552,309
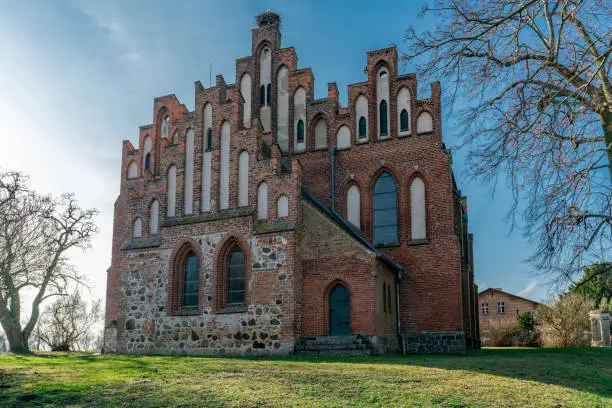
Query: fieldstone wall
435,342
145,327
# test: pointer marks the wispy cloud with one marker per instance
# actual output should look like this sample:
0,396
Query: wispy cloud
529,289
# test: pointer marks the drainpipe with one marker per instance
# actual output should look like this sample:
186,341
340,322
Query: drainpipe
332,188
397,313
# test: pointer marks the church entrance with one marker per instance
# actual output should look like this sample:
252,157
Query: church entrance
339,312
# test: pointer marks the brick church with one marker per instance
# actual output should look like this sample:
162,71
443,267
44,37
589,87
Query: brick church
267,221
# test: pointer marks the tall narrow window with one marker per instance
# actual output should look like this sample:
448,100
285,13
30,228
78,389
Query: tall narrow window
171,194
282,207
361,113
235,276
207,157
269,95
404,121
154,217
224,175
403,109
362,127
300,131
137,228
262,95
418,224
382,98
384,297
209,140
265,79
353,206
245,91
147,145
282,109
384,131
389,299
320,134
385,210
243,179
299,120
191,281
262,201
164,127
188,178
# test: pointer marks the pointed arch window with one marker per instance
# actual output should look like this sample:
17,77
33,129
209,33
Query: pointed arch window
154,217
300,131
362,127
235,276
147,165
404,126
385,210
191,281
137,228
164,127
384,131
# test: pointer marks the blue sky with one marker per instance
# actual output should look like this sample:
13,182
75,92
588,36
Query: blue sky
78,77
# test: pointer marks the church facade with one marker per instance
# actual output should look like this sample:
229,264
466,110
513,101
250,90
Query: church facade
266,220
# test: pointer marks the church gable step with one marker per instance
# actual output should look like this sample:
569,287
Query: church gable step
334,346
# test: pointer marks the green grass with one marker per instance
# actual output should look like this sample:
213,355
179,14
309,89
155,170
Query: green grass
490,377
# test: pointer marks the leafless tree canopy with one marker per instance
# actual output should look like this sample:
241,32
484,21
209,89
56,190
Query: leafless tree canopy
565,323
68,323
36,232
533,82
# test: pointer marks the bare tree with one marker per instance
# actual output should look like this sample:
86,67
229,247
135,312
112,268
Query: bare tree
565,323
36,233
68,323
533,79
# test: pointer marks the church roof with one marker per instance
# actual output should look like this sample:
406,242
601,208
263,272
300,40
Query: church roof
348,227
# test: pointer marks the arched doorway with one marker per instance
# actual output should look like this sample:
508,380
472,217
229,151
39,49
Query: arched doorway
339,311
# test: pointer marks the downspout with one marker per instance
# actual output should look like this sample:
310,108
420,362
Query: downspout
332,187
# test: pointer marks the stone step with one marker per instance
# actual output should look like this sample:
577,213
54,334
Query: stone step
337,353
331,340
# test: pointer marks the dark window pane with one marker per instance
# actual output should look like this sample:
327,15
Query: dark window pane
147,161
262,95
209,140
235,276
383,118
268,94
385,209
362,127
191,280
404,120
300,131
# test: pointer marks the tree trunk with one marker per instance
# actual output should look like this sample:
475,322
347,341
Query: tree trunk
606,122
18,343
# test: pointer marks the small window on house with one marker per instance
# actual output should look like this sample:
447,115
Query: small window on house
262,95
209,140
404,120
147,164
235,277
300,131
137,228
384,131
164,127
484,308
389,298
384,297
191,282
268,95
501,308
362,127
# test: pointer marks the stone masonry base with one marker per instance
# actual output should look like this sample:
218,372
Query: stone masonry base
435,342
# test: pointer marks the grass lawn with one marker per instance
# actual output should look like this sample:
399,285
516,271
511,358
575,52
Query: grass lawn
490,377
